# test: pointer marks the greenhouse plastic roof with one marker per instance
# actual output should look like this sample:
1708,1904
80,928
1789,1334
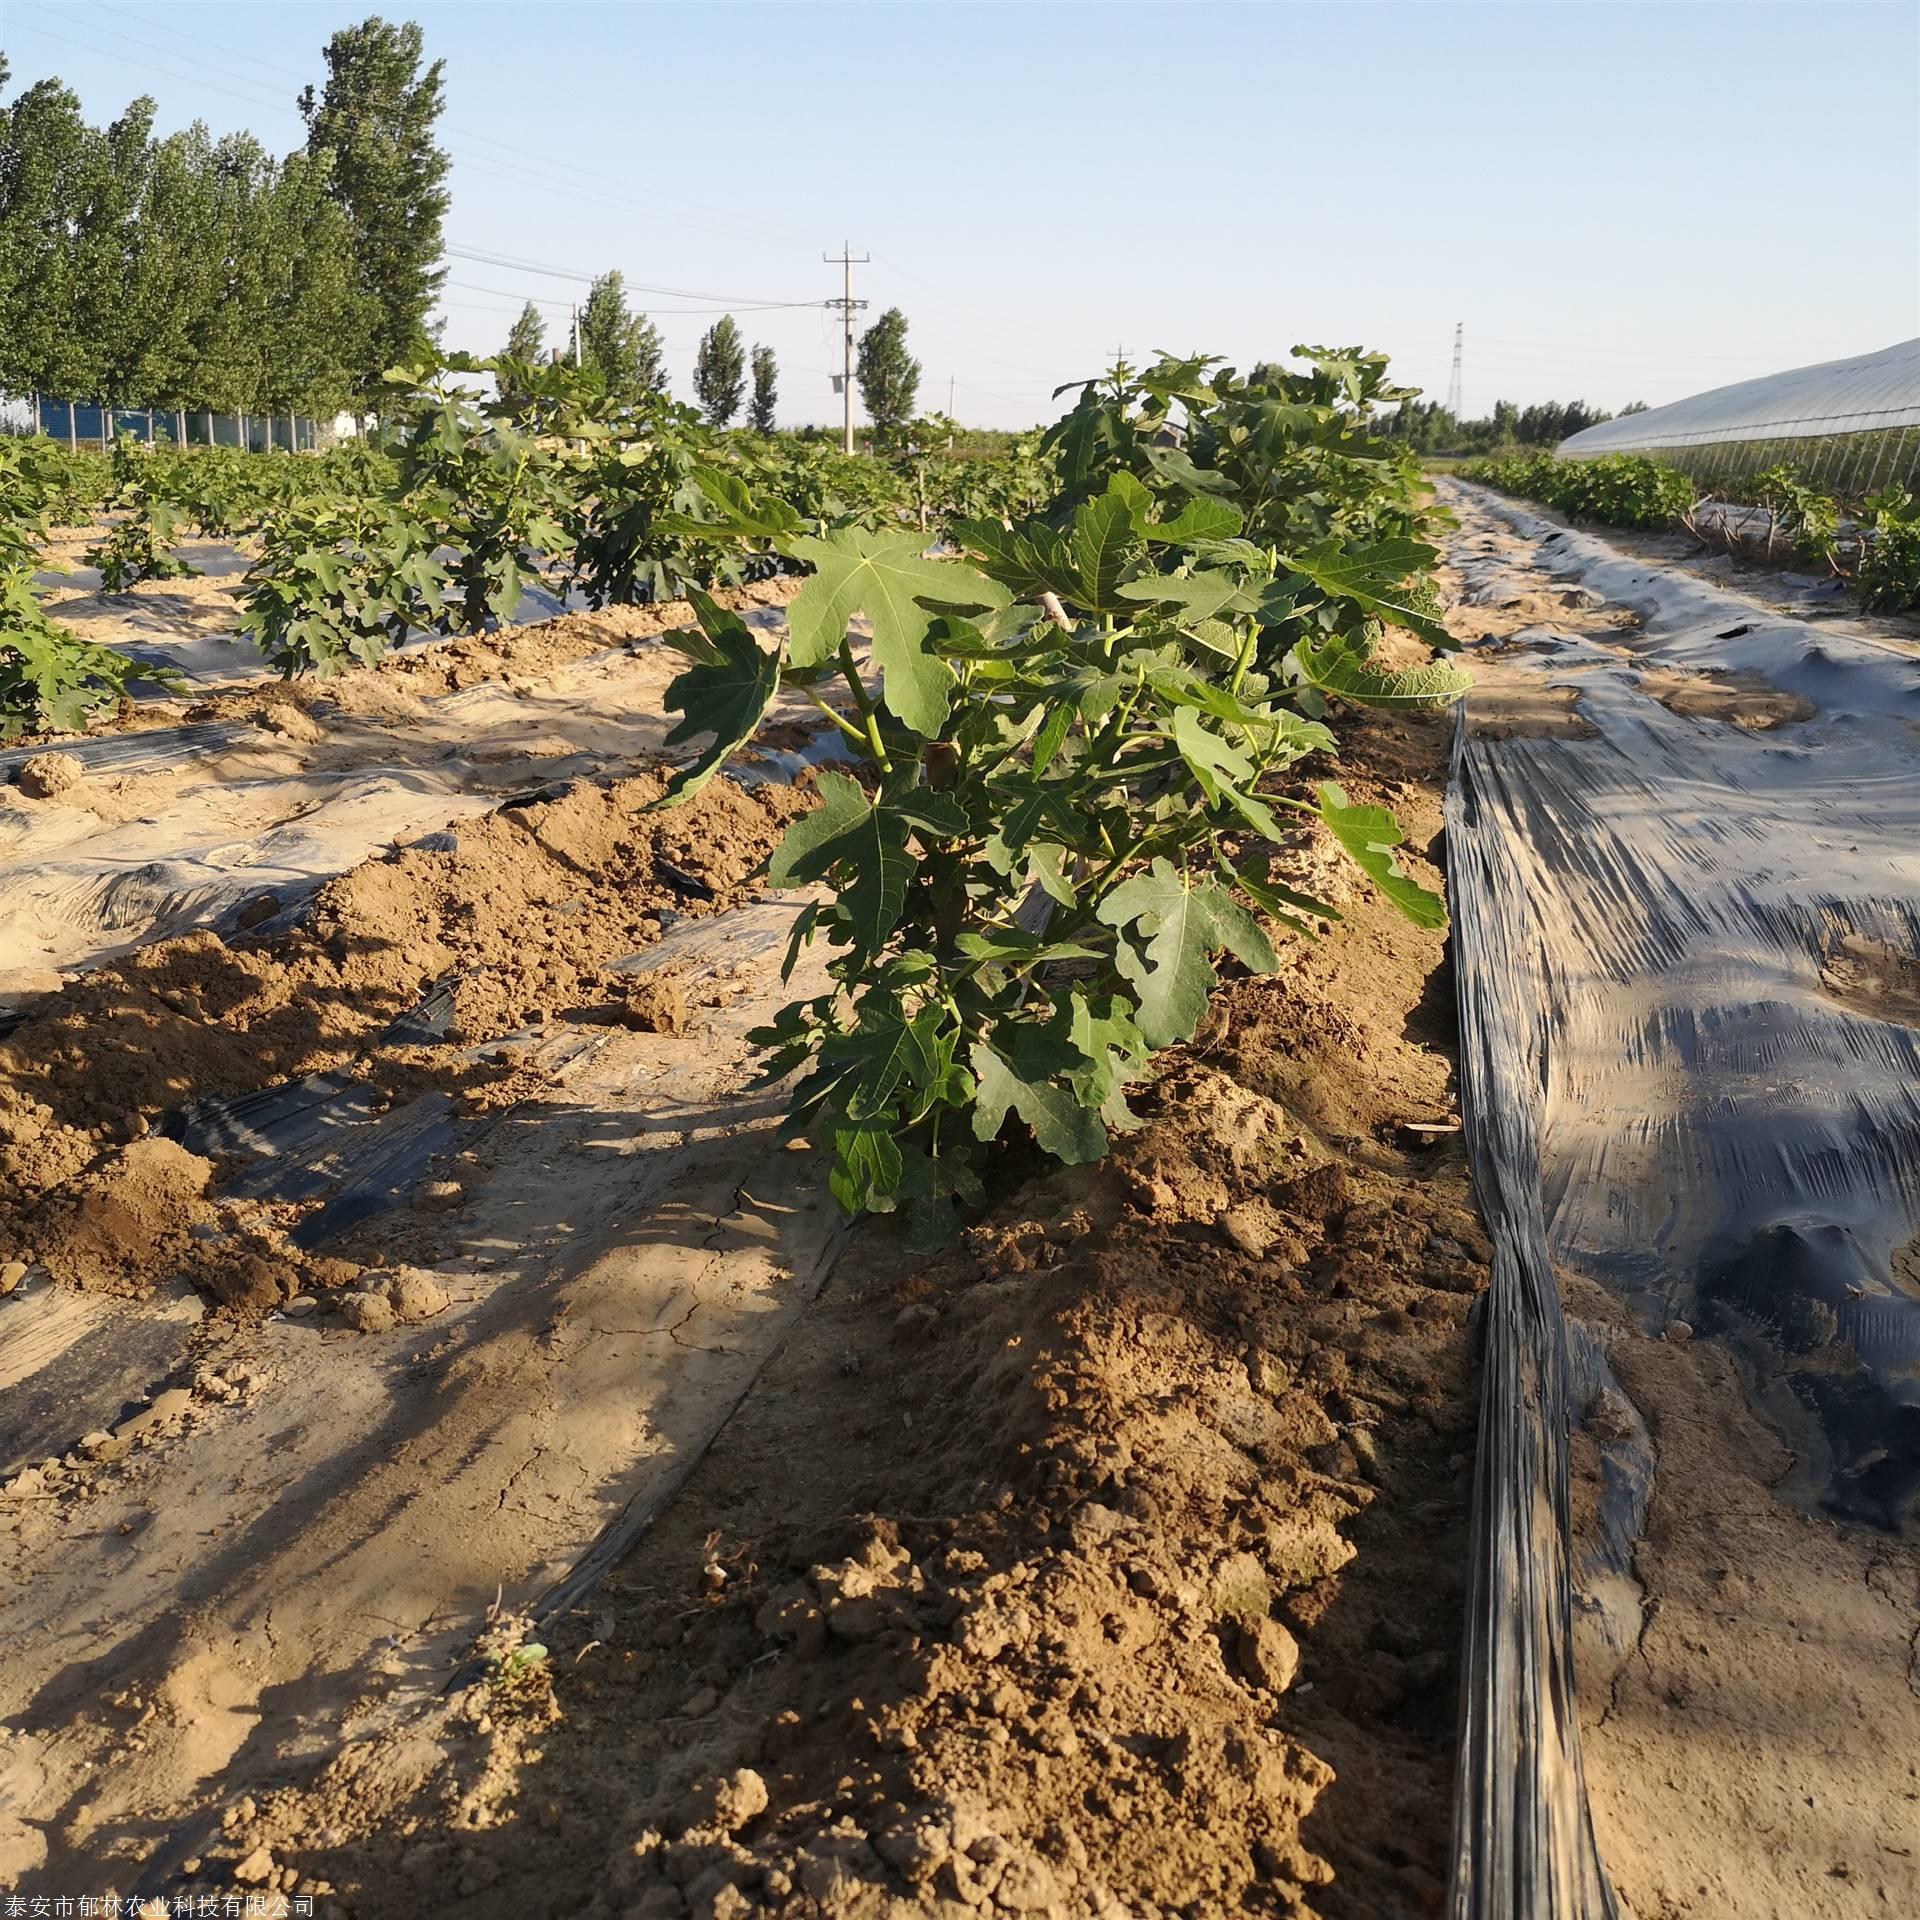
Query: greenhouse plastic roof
1872,390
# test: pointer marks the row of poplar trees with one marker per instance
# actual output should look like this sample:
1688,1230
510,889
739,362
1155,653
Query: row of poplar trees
190,272
623,347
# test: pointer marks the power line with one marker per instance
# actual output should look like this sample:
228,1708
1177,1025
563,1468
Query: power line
180,33
666,313
587,176
514,173
741,303
256,93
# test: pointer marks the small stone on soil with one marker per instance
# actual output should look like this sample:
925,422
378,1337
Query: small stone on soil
730,1802
411,1294
1245,1229
290,722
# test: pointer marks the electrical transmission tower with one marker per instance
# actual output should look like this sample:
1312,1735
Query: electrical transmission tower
848,306
1453,385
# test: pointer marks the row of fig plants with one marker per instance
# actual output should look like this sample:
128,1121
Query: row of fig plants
1074,749
52,681
507,476
473,492
1876,547
1617,489
48,678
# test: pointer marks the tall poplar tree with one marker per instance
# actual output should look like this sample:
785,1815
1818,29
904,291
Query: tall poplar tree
889,376
621,347
528,338
376,115
720,371
314,305
109,332
765,390
45,154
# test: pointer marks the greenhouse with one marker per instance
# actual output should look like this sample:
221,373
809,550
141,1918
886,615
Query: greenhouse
1851,426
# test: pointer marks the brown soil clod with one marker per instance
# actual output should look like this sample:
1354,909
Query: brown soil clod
654,1004
1873,978
523,908
47,776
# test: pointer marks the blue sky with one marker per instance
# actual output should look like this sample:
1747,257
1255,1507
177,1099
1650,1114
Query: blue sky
1619,201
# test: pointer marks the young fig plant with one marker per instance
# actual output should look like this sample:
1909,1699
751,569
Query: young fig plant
1060,809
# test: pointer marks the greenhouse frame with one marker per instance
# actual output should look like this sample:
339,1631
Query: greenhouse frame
1849,426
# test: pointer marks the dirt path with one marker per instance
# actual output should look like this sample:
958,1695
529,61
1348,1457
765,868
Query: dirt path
1713,844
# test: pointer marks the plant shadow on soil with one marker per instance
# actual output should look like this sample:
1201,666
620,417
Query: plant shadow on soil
1111,1562
453,1392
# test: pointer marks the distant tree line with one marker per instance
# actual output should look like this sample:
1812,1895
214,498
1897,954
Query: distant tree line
623,348
1428,427
194,272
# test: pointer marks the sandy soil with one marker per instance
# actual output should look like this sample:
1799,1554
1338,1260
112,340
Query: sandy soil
1108,1564
1779,586
521,914
193,625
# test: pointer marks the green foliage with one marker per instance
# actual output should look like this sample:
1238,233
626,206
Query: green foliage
481,486
766,391
31,476
1067,745
720,371
635,523
191,272
338,583
50,681
140,547
468,517
621,347
1889,574
527,339
1808,518
889,376
1617,489
374,120
1428,427
140,544
1291,453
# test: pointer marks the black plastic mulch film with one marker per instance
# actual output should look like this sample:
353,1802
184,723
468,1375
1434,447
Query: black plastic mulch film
1688,965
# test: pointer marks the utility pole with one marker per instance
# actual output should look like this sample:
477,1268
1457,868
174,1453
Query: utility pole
1453,385
576,334
847,305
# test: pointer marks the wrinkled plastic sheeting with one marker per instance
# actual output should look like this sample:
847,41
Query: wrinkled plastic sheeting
1687,957
1523,1836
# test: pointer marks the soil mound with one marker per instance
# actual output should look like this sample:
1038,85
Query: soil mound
520,911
